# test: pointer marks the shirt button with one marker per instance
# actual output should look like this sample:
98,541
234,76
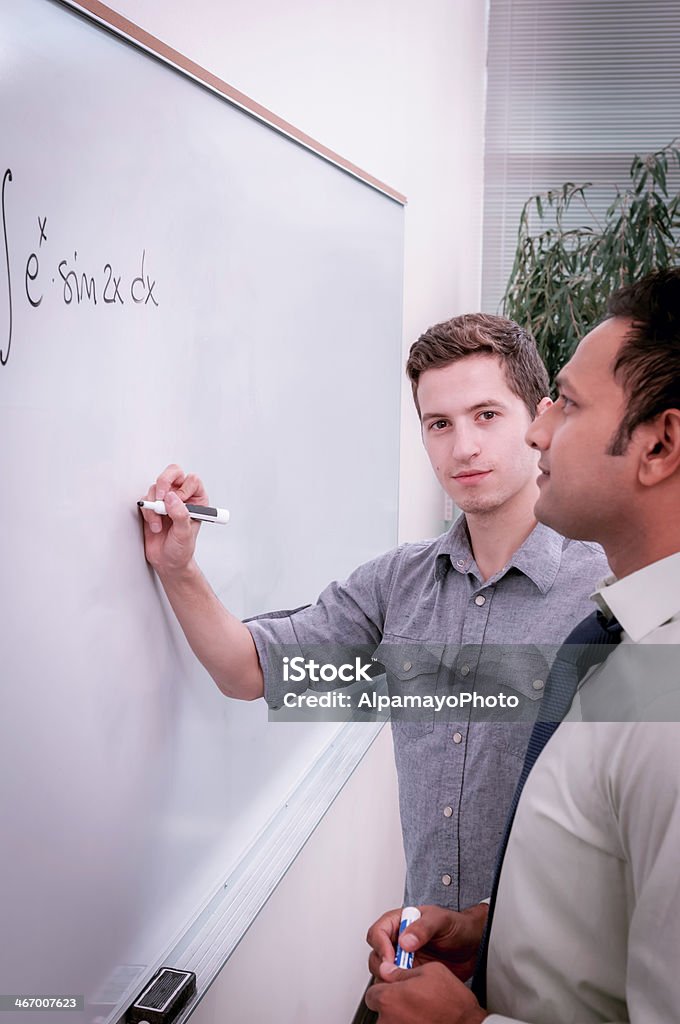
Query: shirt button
407,666
538,684
448,811
446,879
457,737
480,600
460,561
465,670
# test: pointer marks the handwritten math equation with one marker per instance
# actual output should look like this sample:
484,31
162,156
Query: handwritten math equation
74,284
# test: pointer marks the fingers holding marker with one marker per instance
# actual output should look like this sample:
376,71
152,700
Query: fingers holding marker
151,519
382,936
429,993
378,997
172,478
187,486
390,972
166,510
169,533
387,933
179,515
404,954
432,922
412,940
192,490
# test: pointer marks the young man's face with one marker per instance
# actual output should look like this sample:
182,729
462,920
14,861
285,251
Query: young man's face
474,431
583,489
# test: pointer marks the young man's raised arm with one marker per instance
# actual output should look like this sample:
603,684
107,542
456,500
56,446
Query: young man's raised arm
218,639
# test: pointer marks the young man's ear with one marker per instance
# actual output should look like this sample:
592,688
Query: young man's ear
660,452
544,404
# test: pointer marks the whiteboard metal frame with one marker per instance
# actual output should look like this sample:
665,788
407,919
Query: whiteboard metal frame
120,26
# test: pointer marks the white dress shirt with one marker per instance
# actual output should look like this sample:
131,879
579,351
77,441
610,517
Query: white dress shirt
587,921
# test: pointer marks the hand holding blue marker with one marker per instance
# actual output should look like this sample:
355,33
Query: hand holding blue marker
408,916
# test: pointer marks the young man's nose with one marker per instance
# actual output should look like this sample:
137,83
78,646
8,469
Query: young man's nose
465,445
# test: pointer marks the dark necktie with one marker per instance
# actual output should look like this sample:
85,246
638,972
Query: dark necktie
587,645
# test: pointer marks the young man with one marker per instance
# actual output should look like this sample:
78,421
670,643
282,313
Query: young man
441,616
586,923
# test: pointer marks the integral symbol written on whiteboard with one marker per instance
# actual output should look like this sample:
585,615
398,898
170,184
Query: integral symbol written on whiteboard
63,280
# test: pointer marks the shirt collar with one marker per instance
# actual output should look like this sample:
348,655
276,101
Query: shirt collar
645,599
539,557
454,550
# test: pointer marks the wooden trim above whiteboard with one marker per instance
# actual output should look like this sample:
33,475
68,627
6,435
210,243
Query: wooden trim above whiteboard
109,18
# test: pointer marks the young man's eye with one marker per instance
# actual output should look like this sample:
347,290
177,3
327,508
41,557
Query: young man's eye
488,415
566,402
438,424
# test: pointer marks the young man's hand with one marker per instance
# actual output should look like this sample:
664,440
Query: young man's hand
218,639
169,541
428,993
446,936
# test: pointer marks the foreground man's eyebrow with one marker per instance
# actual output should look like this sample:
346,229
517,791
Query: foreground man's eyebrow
562,381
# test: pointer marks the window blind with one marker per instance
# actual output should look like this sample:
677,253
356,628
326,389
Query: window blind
574,89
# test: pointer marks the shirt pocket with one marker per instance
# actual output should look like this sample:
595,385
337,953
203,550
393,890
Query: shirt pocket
413,677
522,671
522,674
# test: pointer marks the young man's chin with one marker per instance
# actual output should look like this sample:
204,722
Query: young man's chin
471,503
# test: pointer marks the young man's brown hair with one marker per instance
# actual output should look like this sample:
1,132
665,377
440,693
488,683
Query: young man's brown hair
482,334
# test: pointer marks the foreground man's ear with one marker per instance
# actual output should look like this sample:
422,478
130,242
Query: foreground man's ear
660,450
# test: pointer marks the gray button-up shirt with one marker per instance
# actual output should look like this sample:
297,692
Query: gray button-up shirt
437,626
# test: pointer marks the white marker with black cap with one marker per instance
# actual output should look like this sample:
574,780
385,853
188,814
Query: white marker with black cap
203,512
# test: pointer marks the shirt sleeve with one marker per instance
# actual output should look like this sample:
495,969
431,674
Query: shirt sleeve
646,797
636,773
347,621
498,1018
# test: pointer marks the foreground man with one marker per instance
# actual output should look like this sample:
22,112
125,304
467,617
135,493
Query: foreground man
585,926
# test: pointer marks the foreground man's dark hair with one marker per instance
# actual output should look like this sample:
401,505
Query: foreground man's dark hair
648,362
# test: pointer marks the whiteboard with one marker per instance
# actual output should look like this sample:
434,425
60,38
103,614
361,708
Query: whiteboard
178,282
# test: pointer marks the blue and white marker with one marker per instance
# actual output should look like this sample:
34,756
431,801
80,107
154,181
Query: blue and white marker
408,916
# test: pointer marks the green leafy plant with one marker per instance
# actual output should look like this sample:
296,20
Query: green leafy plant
564,269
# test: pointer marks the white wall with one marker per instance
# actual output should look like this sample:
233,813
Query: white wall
304,959
397,87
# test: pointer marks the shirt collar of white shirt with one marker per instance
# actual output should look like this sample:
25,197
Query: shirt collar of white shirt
645,599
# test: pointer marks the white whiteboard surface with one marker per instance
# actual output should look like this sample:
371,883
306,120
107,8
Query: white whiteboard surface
129,787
